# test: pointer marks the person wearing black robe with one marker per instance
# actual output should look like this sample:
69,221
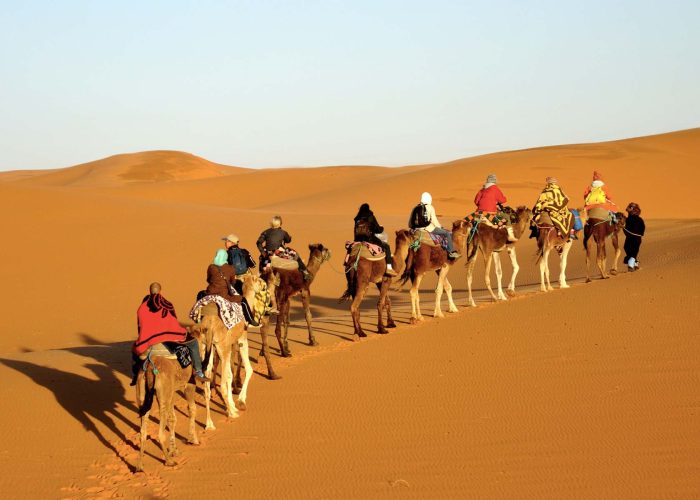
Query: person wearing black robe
367,228
634,230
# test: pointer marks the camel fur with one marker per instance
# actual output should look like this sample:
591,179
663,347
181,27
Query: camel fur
290,284
426,259
491,241
601,230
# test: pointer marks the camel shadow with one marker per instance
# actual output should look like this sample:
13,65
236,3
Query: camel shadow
89,401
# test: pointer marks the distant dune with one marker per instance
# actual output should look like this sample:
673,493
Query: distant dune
583,393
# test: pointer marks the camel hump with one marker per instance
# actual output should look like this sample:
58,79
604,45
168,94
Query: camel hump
365,250
598,213
157,351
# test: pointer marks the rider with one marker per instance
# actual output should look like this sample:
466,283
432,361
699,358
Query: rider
433,224
239,258
367,228
554,202
158,323
488,201
597,195
274,238
221,274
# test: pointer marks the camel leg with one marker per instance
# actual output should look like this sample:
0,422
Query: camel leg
487,274
437,312
499,275
209,371
281,328
265,351
562,261
306,302
416,315
163,417
278,332
589,250
190,390
516,268
545,284
140,393
451,306
243,350
618,251
601,258
470,274
226,383
285,327
389,320
381,305
172,423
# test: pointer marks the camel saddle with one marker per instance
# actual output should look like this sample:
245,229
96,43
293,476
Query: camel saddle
424,238
599,213
281,263
364,250
544,219
157,350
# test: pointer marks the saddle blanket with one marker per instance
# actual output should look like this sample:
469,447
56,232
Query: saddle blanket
423,237
363,249
231,313
600,213
157,350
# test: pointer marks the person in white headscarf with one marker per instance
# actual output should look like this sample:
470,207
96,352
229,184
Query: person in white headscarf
432,224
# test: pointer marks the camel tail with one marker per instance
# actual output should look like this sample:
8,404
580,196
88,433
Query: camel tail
150,379
409,268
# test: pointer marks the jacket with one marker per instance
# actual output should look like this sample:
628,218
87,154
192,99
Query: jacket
434,222
156,322
218,279
488,198
271,239
598,197
366,228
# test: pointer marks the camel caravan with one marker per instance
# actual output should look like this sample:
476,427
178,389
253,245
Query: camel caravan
170,355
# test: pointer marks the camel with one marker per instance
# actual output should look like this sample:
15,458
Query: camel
162,377
490,241
548,238
600,230
219,341
429,258
291,283
359,276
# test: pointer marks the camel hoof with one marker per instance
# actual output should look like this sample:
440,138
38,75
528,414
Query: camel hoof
383,331
286,354
240,405
510,293
361,334
471,304
274,376
588,280
550,288
170,463
210,427
313,342
415,321
193,442
391,325
232,416
613,272
453,310
564,286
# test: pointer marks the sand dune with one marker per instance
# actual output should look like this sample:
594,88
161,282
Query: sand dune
530,399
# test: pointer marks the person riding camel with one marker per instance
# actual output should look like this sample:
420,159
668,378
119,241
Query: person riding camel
430,223
273,239
367,229
221,278
157,323
553,202
238,257
489,200
597,195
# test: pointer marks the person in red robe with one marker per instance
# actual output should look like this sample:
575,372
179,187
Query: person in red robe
157,323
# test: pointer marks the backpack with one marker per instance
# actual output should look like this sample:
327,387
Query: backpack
419,217
596,196
238,260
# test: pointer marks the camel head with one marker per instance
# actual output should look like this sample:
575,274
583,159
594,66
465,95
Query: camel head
621,221
253,287
523,217
318,251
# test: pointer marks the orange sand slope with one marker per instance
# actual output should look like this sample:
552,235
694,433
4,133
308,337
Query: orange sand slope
530,398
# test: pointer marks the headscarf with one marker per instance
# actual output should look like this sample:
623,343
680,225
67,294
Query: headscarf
426,199
551,180
491,179
597,176
364,212
221,257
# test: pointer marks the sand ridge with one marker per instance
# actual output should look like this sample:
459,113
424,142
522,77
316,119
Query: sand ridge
520,399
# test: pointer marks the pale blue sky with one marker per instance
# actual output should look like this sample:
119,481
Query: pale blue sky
282,83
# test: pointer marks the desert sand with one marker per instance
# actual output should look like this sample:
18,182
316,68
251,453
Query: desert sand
589,392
